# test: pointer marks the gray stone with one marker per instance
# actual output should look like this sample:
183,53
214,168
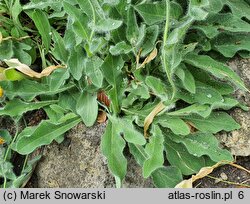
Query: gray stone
78,162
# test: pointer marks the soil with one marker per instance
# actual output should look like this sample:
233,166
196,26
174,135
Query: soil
227,176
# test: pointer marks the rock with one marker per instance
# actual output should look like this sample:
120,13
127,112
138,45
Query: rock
242,68
79,163
238,141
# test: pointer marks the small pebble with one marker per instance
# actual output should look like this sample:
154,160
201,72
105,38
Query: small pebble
223,176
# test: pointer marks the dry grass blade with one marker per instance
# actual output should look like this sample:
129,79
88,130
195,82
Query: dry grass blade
149,119
1,37
10,37
138,58
201,174
23,68
239,167
149,58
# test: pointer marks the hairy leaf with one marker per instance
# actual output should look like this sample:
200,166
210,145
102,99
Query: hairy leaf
216,68
28,141
154,149
200,144
112,72
177,125
216,122
167,177
178,156
17,107
112,146
43,26
87,108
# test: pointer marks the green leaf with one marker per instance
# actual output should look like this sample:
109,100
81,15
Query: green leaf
149,41
126,127
140,90
105,25
6,136
206,94
28,89
93,71
167,177
112,146
87,108
12,74
196,10
239,8
76,62
59,50
216,68
87,7
154,149
229,45
57,79
16,9
26,173
120,48
112,72
177,125
28,141
6,170
132,30
41,4
14,49
80,21
222,21
138,152
43,26
202,110
200,144
178,156
186,78
216,122
215,5
17,107
153,13
163,177
157,86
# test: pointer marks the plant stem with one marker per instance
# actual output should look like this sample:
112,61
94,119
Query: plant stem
94,20
9,147
24,163
165,63
7,153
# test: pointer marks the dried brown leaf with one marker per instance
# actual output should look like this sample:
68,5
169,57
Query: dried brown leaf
149,58
102,116
191,127
149,119
23,68
2,141
103,98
